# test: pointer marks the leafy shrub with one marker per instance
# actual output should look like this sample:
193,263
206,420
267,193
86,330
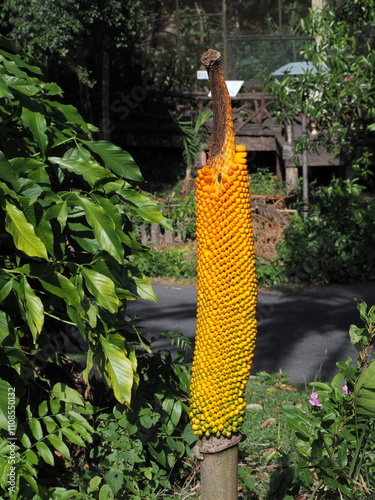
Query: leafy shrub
167,262
262,181
333,453
334,244
180,210
66,241
143,453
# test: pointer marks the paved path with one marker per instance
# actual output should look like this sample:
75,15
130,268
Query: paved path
303,334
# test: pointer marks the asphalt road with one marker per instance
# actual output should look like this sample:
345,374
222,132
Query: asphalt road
303,333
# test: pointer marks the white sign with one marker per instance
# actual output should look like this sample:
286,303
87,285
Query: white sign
202,75
233,87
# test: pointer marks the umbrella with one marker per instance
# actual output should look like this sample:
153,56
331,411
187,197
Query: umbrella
298,68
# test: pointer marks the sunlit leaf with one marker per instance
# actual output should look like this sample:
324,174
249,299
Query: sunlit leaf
23,233
102,288
90,170
118,160
119,369
104,228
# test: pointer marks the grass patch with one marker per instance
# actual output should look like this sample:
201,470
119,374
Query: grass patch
266,435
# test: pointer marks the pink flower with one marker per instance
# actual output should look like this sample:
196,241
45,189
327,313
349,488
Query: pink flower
314,401
345,389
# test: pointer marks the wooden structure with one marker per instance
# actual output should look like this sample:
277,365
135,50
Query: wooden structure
257,129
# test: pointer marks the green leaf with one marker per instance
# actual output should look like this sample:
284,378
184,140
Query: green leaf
33,308
50,423
72,436
4,89
4,292
119,161
34,119
21,85
102,288
5,390
23,233
144,288
36,428
59,211
115,479
145,207
94,484
90,170
104,228
71,114
59,445
106,493
65,393
119,369
342,455
59,285
45,453
31,457
364,391
7,172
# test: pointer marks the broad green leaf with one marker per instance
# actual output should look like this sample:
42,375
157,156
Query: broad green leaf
21,85
110,209
13,51
144,288
36,428
59,285
33,118
32,307
7,172
71,114
65,393
119,161
45,453
59,445
119,369
104,228
12,67
5,391
23,165
94,484
106,493
4,89
115,478
23,233
90,170
102,288
364,391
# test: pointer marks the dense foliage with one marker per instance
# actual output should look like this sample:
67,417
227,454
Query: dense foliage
67,205
334,244
333,448
339,96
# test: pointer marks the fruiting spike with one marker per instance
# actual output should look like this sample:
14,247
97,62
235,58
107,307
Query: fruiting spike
227,284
